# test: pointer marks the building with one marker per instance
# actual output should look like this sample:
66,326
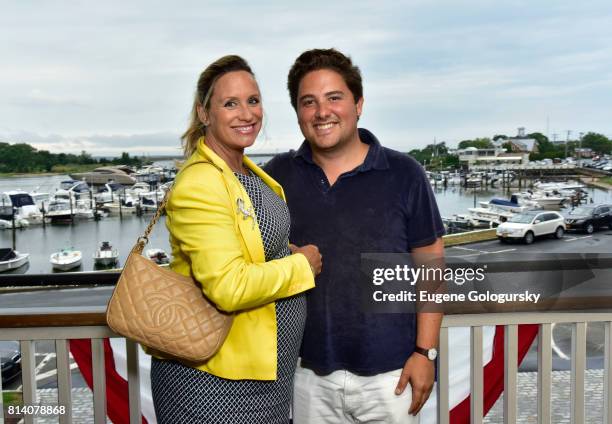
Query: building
473,157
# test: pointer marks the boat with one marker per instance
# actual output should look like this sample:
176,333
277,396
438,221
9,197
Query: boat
62,210
124,205
542,198
40,198
558,185
120,174
12,259
109,193
138,188
148,202
460,222
516,204
151,174
491,216
159,256
59,210
72,189
106,255
22,205
66,259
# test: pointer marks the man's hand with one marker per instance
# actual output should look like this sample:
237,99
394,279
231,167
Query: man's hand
419,372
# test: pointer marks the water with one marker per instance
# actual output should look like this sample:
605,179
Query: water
86,235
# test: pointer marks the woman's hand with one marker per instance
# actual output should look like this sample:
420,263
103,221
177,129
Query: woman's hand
312,254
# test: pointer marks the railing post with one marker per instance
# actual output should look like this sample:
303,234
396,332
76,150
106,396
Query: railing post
544,373
578,367
1,399
443,373
28,376
133,381
64,381
476,376
99,381
607,382
510,372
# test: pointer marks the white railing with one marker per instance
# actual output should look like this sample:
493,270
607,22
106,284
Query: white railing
61,334
511,322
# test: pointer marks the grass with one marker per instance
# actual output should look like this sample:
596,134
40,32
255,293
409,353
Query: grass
57,169
70,168
607,180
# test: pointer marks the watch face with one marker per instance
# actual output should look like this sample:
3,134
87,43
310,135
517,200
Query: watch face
432,354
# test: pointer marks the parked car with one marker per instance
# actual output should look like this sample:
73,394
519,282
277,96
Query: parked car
589,218
10,356
528,225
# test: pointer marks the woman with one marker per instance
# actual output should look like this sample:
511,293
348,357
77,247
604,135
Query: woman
229,228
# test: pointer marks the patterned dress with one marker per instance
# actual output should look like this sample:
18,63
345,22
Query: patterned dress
182,394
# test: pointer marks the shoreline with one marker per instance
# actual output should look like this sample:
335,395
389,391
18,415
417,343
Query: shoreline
29,174
595,182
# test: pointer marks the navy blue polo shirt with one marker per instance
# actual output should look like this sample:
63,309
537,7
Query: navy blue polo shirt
384,205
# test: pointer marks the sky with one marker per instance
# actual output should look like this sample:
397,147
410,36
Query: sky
114,76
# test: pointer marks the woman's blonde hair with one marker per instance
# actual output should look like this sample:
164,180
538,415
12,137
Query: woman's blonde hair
204,92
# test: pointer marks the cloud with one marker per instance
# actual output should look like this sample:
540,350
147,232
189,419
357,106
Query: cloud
115,75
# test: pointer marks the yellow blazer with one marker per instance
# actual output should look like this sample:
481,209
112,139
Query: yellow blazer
212,240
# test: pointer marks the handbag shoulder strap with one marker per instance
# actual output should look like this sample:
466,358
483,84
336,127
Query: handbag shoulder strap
144,239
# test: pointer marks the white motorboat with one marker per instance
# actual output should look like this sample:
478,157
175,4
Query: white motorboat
109,193
114,209
542,198
491,215
159,256
137,189
22,205
559,185
60,210
72,189
66,259
516,204
126,204
12,259
64,210
149,201
106,255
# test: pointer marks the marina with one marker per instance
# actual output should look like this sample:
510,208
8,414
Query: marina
74,224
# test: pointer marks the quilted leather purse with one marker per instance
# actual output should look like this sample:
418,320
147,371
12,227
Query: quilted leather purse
163,310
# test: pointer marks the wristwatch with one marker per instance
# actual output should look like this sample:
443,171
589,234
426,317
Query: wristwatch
430,354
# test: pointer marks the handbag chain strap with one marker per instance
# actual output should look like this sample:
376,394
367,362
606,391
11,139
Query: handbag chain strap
144,239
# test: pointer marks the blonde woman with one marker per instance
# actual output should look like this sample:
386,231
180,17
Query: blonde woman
229,228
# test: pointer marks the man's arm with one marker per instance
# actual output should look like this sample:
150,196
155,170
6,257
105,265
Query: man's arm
418,370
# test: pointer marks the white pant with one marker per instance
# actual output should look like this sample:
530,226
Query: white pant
343,397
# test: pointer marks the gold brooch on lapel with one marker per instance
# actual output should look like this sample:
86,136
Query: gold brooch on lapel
246,213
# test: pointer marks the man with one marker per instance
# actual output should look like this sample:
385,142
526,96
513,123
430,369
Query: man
348,195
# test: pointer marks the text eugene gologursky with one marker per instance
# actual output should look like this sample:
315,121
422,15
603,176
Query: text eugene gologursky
459,276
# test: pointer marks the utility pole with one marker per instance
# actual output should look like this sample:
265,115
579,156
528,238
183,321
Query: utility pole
567,141
580,149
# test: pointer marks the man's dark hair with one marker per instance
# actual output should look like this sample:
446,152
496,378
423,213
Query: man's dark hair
316,59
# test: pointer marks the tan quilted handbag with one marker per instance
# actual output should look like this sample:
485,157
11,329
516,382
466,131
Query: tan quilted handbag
164,310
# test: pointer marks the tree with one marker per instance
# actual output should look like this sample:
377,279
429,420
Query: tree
599,143
479,143
500,137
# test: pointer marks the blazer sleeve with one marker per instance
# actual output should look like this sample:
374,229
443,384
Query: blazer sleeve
201,221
